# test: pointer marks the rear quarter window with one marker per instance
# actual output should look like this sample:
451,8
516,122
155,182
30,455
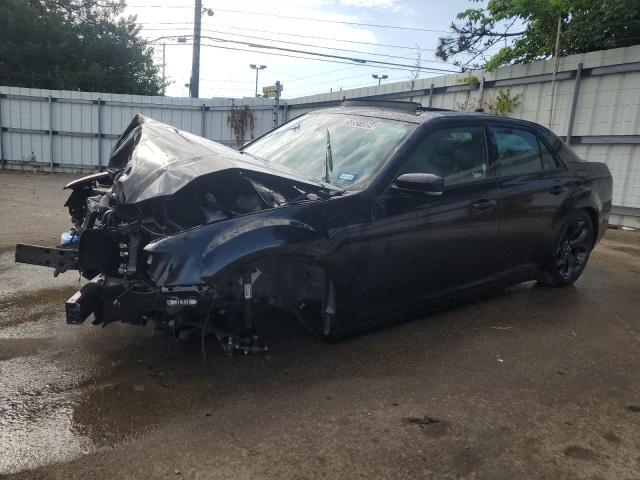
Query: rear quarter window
549,162
566,154
561,149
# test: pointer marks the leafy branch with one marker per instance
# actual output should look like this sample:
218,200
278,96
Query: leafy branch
505,103
528,30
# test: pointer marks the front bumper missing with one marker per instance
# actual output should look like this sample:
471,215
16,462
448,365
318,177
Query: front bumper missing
112,299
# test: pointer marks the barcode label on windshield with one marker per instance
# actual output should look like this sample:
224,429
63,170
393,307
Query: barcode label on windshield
349,177
360,123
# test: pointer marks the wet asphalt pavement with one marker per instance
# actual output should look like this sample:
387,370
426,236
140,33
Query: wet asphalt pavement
531,383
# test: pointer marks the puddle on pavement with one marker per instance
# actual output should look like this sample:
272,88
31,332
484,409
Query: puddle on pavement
69,390
36,414
51,439
22,347
33,306
73,395
18,278
66,390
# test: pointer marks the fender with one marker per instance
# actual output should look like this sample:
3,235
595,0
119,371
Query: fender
592,185
201,254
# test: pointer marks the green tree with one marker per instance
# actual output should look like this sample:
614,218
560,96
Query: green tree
74,45
527,29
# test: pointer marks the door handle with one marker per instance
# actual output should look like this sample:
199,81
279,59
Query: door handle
557,189
483,204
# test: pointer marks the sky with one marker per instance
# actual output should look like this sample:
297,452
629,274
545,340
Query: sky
225,72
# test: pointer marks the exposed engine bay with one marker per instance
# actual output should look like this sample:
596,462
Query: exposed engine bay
164,184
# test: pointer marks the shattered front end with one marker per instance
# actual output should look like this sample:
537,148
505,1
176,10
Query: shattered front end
168,187
106,245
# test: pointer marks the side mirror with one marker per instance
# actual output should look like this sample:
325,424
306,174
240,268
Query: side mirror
420,182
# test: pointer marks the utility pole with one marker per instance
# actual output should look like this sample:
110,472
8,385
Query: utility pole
380,77
164,65
194,88
257,69
555,69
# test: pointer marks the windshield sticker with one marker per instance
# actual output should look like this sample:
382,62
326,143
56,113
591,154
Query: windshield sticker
347,177
360,123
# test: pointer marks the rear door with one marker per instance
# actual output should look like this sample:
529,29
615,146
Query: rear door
533,186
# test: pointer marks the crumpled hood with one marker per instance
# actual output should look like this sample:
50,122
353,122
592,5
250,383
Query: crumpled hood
153,159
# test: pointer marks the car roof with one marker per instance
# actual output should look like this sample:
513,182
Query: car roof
414,112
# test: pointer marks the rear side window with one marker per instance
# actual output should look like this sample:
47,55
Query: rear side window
518,151
457,154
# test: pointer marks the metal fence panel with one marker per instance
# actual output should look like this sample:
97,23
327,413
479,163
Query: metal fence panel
63,129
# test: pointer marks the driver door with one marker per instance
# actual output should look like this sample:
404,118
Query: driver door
425,246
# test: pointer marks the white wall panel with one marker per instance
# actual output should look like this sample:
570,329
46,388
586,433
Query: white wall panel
607,105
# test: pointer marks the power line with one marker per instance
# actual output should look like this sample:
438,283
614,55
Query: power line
306,85
335,80
216,80
299,57
322,73
341,40
368,84
295,88
292,17
339,70
326,55
329,48
233,89
321,46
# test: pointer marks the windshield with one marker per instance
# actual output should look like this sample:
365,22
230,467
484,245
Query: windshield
342,150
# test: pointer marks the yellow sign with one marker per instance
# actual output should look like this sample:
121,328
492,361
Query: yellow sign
270,90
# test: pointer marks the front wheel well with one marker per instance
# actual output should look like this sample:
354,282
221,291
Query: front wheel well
296,283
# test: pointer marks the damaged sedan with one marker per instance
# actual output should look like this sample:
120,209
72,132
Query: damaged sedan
348,218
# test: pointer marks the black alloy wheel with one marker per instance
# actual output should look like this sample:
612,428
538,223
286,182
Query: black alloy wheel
573,249
567,261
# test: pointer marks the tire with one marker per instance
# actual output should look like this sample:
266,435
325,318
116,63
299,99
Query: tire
570,253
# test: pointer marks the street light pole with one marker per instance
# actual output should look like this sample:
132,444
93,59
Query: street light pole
164,57
380,77
257,69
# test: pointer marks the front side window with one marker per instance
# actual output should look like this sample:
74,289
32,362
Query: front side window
518,151
457,154
341,150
